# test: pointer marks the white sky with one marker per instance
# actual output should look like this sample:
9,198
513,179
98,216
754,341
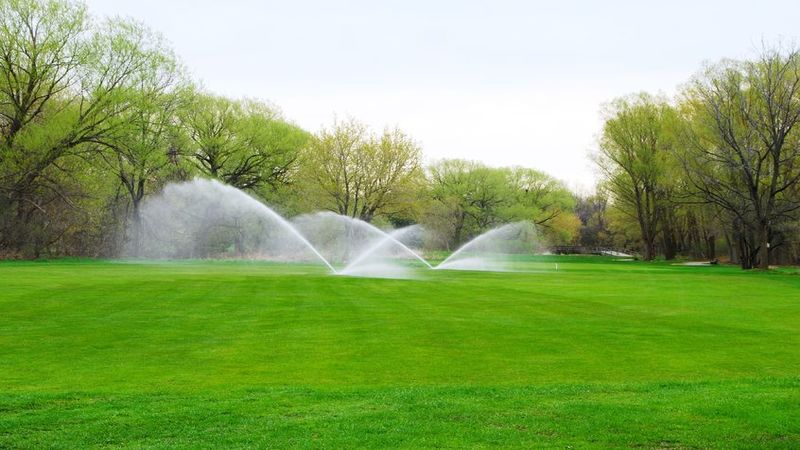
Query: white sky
503,82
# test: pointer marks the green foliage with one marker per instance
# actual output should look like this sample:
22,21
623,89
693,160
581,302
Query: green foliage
139,146
95,115
354,172
246,144
636,159
53,100
467,198
724,161
742,150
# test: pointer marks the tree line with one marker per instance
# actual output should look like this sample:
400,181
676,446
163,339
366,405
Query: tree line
720,163
98,114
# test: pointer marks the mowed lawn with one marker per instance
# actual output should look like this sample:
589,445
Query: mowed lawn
600,353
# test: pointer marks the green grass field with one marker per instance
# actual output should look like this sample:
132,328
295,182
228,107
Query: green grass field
600,353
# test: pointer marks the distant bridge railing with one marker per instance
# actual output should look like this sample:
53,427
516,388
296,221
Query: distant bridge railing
588,250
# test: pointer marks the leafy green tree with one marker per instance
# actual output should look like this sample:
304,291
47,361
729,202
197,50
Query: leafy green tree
537,197
468,198
353,172
743,149
246,144
41,48
142,142
63,82
635,154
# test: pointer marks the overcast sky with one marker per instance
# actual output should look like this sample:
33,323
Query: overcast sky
503,82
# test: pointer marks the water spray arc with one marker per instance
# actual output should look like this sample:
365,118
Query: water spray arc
299,236
359,248
388,238
185,213
205,218
488,251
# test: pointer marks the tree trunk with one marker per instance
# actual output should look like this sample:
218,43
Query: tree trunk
763,247
745,258
457,231
648,237
669,242
670,250
136,229
649,249
747,252
711,248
